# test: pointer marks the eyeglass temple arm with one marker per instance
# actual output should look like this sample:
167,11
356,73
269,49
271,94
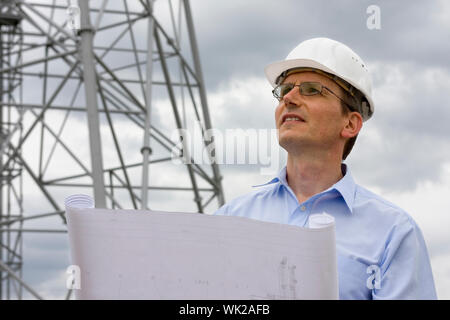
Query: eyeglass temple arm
352,108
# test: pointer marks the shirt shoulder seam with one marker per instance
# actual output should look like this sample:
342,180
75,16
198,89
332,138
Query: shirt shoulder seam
385,202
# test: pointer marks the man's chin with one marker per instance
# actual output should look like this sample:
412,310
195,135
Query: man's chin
291,144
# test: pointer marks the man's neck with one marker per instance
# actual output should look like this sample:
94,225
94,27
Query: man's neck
308,175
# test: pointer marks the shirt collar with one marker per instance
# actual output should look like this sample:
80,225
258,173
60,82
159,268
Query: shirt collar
280,177
346,186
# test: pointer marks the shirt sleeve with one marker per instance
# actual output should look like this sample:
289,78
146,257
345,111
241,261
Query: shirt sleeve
222,211
405,269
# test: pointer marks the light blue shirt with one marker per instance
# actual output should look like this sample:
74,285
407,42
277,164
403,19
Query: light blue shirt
381,252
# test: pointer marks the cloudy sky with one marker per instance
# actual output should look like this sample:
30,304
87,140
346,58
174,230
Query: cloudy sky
402,153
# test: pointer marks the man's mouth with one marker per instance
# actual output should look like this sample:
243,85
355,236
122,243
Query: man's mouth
290,117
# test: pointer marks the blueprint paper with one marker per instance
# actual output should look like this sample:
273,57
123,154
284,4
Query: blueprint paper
137,254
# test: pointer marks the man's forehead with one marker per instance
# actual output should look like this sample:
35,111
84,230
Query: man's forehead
303,76
307,76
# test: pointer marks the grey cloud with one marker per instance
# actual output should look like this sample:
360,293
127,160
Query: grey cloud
411,121
240,38
47,255
398,163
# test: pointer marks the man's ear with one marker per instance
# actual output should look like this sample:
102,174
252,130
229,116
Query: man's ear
353,125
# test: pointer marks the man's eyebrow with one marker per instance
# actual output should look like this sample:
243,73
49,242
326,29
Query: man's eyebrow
294,83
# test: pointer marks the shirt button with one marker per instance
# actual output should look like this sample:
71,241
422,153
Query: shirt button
303,208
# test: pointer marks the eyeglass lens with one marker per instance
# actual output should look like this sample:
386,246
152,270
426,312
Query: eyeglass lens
306,88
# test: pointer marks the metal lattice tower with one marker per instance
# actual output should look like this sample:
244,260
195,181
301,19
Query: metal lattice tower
92,93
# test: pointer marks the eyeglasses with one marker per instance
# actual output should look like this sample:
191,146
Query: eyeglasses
306,89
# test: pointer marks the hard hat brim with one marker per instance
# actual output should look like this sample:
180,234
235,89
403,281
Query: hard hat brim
275,69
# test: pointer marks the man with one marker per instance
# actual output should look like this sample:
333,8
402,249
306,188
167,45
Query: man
324,93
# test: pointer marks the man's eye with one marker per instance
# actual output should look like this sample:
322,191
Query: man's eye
285,90
310,90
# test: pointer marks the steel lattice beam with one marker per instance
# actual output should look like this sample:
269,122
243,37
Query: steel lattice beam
126,68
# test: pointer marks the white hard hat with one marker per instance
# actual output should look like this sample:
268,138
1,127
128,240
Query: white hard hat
331,57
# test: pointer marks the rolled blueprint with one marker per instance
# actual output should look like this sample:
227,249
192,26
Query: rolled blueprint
144,254
320,220
81,201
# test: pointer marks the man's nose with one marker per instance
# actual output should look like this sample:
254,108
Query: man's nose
292,97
